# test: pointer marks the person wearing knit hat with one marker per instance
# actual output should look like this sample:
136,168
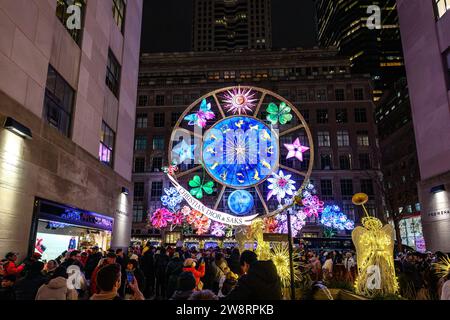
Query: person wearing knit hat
189,266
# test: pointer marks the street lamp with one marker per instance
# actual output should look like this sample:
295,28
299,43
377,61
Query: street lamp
17,128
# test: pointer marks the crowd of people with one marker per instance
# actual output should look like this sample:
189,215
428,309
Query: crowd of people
180,273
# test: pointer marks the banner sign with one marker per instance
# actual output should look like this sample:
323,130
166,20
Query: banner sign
214,215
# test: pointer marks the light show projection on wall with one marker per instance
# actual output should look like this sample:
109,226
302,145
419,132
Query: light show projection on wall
242,151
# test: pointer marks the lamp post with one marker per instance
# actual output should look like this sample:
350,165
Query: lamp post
291,249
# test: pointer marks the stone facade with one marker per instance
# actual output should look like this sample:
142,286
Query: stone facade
60,168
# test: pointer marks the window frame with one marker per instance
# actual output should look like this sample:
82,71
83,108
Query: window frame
104,145
122,15
113,77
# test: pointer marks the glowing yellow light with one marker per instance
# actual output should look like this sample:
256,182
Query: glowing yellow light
374,250
280,257
442,267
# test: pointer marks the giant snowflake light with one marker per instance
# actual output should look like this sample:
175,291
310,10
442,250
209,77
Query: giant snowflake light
239,101
333,217
280,186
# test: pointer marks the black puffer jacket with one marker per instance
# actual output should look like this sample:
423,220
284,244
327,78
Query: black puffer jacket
260,283
173,270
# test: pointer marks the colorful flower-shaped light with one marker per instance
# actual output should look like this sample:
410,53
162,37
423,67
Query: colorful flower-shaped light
184,151
171,199
218,229
160,218
280,114
271,225
296,150
297,222
312,206
198,187
177,218
333,217
280,186
239,101
202,116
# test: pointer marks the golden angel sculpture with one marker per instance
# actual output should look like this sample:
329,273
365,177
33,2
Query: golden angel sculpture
375,258
251,234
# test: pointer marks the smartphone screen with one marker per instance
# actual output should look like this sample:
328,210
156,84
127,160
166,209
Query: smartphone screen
130,277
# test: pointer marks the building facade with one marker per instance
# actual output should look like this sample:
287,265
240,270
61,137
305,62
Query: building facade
399,163
220,25
377,52
68,79
425,28
337,105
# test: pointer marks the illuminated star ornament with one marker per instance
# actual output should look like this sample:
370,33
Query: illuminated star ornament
296,150
202,116
184,151
239,101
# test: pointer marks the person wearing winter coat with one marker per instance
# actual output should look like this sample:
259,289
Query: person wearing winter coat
147,263
10,267
110,259
190,266
173,270
233,261
133,268
56,288
92,262
260,280
161,261
27,288
185,286
7,288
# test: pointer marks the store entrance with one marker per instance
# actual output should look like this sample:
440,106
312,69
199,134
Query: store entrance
58,228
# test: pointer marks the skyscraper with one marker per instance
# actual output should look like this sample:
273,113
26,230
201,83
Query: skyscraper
425,27
377,52
221,25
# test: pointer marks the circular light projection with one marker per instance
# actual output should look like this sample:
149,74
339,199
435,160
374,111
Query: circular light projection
240,202
240,152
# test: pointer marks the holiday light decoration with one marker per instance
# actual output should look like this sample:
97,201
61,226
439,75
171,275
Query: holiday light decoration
295,150
312,206
170,170
297,222
271,225
202,116
177,218
442,267
160,218
171,199
184,151
218,229
239,101
280,258
280,186
374,245
202,226
280,114
334,218
186,211
198,187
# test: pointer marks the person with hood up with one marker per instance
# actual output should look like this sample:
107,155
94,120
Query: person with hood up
173,270
56,288
185,286
260,280
190,266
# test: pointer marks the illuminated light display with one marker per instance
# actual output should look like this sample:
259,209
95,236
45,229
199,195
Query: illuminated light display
201,116
313,206
296,150
183,152
442,267
240,202
218,229
271,225
297,223
280,114
198,187
280,257
161,218
171,199
240,151
334,218
239,101
374,245
280,186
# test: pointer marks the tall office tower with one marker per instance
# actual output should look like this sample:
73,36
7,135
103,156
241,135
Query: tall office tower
425,27
221,25
377,52
67,109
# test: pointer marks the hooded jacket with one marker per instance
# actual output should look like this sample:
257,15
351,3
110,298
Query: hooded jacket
56,289
260,283
198,274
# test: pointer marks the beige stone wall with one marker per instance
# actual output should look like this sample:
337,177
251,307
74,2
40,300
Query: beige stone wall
52,167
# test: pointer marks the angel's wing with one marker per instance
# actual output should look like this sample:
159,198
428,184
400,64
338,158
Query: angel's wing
357,235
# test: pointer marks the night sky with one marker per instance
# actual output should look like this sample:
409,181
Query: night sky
167,25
